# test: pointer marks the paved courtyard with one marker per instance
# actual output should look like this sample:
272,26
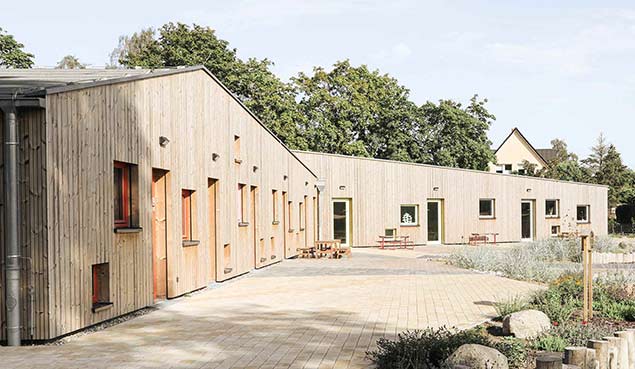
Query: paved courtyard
302,313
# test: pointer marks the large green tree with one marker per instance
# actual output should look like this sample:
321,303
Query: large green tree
12,54
457,135
564,165
355,111
606,167
178,44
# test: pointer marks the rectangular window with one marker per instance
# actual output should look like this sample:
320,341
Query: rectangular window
486,209
555,230
390,232
241,201
237,158
290,216
301,215
186,214
409,215
552,208
101,286
121,188
582,213
274,196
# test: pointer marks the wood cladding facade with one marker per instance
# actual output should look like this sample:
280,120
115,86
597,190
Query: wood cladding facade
66,195
377,189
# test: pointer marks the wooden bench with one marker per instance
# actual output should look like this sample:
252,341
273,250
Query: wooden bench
306,252
483,238
332,248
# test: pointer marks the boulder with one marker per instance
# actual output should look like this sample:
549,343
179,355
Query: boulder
526,323
477,357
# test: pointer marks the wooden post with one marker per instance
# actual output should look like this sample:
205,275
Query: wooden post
587,278
580,356
549,360
601,349
631,347
613,352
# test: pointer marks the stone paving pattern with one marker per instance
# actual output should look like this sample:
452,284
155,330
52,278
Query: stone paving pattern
302,313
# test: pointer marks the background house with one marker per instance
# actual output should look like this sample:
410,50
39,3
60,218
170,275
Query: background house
515,150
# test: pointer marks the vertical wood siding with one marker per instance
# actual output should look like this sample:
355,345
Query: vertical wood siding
377,188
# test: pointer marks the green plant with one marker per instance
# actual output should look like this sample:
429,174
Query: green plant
511,305
576,334
423,349
559,308
515,350
549,342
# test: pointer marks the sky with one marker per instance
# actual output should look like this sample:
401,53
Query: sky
554,69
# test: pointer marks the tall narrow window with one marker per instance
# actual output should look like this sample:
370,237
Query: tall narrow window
582,213
237,157
121,188
274,196
552,208
486,208
301,215
186,220
290,216
241,202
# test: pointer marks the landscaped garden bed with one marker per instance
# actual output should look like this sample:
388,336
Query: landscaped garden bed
552,262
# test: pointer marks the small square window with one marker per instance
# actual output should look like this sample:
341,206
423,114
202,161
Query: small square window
552,208
555,230
582,213
409,215
486,208
101,286
390,232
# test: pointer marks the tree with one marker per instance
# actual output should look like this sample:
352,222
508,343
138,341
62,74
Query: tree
606,167
565,165
356,111
252,82
70,62
12,54
457,136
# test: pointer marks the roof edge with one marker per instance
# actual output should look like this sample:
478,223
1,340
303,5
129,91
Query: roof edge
448,168
546,163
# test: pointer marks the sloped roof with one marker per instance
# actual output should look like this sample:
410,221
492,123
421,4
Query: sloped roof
547,154
531,147
41,81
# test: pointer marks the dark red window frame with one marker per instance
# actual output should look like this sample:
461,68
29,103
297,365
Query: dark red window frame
186,214
122,195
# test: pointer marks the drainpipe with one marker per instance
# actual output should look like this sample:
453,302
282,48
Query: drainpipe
12,271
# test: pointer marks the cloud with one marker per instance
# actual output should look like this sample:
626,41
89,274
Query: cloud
396,54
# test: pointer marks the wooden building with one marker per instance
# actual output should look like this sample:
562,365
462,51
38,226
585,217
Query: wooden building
202,191
135,186
364,198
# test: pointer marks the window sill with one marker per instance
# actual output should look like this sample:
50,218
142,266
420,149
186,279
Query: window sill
583,222
409,225
227,270
243,224
125,230
275,222
552,217
238,161
487,218
189,243
101,306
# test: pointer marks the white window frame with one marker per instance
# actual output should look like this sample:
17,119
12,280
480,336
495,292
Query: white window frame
588,214
491,216
551,230
557,215
415,220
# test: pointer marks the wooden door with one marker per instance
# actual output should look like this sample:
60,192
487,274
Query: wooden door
159,234
212,193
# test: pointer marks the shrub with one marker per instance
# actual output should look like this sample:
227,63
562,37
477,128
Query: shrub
550,342
576,334
559,308
426,349
515,350
511,305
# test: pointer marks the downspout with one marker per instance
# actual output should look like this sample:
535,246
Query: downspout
320,185
12,263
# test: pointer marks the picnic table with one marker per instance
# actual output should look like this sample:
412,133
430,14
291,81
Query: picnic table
476,238
394,242
323,248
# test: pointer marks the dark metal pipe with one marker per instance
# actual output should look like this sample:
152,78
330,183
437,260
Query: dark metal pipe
12,263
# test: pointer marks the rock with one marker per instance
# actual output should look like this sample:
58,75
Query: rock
477,357
526,323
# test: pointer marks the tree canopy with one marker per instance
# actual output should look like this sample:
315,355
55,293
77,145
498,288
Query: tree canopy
70,62
12,54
